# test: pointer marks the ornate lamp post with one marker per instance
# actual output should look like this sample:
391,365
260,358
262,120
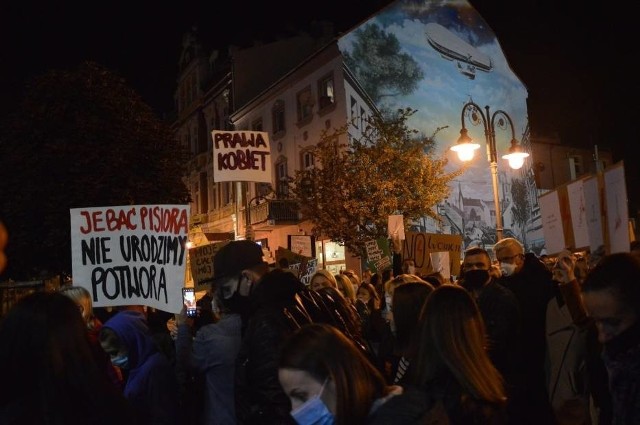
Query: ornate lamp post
465,147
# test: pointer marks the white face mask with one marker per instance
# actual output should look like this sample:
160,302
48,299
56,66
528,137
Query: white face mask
507,269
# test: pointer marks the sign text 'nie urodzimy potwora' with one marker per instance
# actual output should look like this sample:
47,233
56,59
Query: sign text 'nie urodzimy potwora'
241,156
132,254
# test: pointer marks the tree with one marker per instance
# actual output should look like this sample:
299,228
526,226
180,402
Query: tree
353,189
80,138
379,65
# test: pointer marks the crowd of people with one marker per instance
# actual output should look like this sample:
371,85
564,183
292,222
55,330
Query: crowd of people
513,339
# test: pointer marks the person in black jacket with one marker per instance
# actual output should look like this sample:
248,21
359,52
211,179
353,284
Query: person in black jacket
499,308
532,284
278,303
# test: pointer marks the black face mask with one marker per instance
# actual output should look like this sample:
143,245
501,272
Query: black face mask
475,279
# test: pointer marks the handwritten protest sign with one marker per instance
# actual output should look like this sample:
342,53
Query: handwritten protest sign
378,254
419,246
201,264
241,156
131,255
302,266
305,270
302,245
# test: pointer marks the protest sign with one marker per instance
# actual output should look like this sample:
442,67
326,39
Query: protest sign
302,245
131,255
306,269
395,226
419,246
617,209
241,156
201,264
378,254
552,224
302,266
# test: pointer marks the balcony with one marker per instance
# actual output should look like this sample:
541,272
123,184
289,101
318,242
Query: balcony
274,212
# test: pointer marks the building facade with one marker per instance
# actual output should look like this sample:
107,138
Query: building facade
295,88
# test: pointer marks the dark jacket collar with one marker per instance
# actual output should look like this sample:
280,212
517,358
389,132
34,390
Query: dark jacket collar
623,342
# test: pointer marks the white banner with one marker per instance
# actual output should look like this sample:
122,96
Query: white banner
577,205
594,214
617,209
241,156
552,222
131,255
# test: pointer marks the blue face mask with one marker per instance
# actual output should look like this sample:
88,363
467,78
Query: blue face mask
120,361
313,412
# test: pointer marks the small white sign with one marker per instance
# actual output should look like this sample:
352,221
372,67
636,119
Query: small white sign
241,156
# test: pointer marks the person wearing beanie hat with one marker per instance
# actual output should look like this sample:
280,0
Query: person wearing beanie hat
209,356
236,266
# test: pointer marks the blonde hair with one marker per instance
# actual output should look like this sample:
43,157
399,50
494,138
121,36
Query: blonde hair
509,243
326,274
353,276
391,284
345,284
81,297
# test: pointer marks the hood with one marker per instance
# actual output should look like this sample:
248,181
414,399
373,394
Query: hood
131,327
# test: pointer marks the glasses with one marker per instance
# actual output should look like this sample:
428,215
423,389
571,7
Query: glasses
508,259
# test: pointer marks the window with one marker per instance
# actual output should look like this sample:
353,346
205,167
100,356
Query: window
282,179
227,193
263,189
277,114
201,136
354,112
575,166
363,118
304,102
308,160
214,196
325,92
204,193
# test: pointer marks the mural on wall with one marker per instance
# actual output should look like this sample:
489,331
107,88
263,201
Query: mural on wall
436,57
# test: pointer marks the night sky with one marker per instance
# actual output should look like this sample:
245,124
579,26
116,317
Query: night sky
574,57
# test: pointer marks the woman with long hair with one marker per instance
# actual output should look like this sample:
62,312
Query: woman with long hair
49,374
408,300
451,363
328,379
346,287
322,278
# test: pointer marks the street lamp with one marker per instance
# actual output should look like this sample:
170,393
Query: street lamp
465,147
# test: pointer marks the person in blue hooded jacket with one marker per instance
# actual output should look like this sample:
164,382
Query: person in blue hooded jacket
151,384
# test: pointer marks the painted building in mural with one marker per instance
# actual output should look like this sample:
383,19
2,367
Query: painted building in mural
433,57
440,56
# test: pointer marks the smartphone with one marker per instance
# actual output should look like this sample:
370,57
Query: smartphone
189,299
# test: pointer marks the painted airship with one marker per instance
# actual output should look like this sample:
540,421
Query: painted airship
451,47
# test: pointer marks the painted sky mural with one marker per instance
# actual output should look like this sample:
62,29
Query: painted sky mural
445,55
